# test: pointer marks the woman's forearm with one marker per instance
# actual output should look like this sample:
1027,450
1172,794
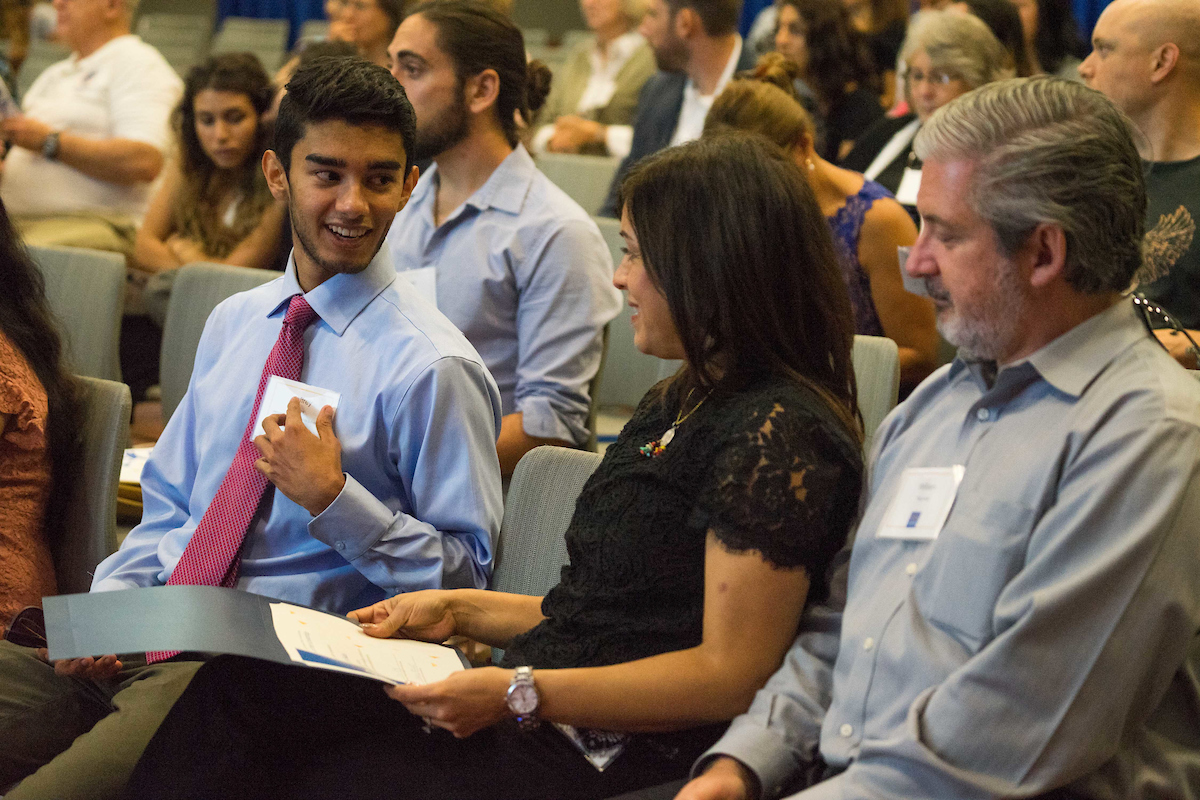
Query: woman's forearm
152,255
666,692
494,618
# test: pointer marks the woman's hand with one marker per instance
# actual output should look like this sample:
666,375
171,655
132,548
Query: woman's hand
426,615
465,702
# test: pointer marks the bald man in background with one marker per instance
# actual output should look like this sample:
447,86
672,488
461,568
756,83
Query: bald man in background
1146,58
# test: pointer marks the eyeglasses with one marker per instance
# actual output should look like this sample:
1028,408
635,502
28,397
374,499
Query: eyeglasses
28,628
1146,307
935,76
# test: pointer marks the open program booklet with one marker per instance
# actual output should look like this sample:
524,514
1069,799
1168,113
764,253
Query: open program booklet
210,619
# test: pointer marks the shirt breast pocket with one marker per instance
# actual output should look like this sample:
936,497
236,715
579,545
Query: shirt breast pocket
980,549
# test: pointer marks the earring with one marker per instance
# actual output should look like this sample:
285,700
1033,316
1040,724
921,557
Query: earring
808,162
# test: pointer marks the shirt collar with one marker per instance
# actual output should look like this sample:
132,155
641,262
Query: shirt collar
340,299
1072,361
504,190
508,184
92,56
726,75
619,50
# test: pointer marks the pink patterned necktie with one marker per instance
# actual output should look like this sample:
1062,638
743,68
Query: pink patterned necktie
212,557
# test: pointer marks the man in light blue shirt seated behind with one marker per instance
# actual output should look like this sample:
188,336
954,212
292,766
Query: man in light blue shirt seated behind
1024,587
518,266
399,489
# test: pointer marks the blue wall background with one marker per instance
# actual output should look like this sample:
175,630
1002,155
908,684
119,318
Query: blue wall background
297,11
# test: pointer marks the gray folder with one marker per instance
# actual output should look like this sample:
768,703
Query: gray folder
204,619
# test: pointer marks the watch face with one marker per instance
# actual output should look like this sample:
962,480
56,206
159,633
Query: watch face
523,699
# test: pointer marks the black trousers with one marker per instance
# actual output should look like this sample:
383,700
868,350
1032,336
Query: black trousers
253,729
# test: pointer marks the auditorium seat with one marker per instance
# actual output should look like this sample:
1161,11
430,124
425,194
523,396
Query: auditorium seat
86,291
89,532
531,550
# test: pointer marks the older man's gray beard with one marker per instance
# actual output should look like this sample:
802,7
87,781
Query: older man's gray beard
988,334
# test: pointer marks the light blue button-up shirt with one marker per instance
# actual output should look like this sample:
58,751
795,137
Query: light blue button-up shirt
525,274
417,422
1047,636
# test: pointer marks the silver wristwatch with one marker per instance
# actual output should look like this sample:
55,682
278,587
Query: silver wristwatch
522,698
50,146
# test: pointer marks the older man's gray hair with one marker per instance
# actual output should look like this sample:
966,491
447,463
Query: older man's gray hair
959,45
1050,151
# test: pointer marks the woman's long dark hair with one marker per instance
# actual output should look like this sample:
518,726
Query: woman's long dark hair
731,234
26,320
837,52
198,208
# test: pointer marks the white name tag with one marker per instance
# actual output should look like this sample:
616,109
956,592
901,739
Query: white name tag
279,393
921,504
910,184
424,280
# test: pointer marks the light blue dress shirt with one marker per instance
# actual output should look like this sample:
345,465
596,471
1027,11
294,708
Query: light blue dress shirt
525,274
1047,636
417,421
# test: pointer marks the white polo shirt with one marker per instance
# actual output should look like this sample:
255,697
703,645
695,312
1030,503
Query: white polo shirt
124,90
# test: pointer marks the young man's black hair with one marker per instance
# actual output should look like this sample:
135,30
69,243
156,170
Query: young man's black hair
343,88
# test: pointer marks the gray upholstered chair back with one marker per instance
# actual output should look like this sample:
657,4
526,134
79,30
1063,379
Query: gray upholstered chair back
585,178
541,499
86,292
876,363
593,395
197,290
89,532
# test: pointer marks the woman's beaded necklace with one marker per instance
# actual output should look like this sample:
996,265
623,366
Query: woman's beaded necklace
654,448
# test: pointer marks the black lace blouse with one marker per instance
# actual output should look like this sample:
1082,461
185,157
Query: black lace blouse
767,469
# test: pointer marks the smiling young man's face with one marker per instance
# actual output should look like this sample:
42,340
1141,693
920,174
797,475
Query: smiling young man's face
345,185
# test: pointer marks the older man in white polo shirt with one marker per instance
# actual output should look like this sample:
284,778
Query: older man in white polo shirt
92,136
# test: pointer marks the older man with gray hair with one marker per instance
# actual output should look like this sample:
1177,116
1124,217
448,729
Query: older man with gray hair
1024,588
92,134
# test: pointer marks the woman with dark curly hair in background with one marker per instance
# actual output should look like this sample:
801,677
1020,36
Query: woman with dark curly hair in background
834,62
213,204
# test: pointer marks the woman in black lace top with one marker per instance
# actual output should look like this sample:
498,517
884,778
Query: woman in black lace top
693,549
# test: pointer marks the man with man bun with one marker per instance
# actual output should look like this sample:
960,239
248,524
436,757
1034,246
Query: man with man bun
513,261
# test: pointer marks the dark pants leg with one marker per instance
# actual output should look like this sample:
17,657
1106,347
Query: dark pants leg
248,728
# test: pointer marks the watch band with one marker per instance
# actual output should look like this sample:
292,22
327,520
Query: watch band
522,698
51,145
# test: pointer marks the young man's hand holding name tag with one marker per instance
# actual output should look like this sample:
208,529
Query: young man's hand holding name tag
301,455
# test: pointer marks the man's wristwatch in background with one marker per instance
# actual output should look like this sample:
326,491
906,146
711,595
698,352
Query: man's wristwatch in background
50,146
522,698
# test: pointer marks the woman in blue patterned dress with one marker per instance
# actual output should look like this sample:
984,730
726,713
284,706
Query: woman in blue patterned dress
867,222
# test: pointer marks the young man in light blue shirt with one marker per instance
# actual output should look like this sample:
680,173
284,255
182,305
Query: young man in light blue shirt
399,490
518,266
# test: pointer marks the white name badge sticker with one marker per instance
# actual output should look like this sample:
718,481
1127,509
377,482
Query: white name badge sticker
921,504
279,393
424,280
910,184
